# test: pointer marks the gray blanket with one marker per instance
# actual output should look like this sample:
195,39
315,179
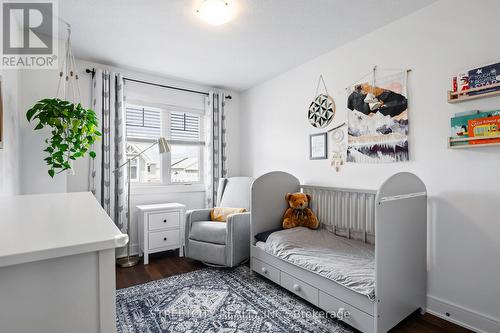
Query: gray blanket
348,262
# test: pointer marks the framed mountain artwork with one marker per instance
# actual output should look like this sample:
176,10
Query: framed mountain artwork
378,120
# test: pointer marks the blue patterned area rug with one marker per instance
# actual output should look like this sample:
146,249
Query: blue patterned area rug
218,300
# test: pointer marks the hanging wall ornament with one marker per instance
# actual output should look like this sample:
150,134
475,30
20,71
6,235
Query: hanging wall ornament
339,146
322,108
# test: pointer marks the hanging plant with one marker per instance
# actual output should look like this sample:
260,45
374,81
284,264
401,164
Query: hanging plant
73,129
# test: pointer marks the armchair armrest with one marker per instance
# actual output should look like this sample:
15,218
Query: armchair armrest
238,238
238,218
193,215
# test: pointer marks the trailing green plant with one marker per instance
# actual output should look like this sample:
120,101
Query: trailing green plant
73,129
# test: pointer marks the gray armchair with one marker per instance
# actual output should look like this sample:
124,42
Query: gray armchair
219,243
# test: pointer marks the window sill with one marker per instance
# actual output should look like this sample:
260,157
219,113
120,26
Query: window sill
143,189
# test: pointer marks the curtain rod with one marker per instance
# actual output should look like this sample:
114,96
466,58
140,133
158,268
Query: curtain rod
92,71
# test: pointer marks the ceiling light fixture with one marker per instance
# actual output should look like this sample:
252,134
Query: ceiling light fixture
216,12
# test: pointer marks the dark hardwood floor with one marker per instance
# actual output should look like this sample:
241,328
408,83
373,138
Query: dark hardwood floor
162,265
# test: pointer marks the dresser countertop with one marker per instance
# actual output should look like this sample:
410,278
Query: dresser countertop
38,227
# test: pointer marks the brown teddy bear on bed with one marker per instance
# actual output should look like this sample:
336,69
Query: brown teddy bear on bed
299,214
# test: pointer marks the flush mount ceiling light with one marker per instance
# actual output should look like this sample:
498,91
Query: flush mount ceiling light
216,12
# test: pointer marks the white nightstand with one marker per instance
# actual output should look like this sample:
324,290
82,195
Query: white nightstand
161,228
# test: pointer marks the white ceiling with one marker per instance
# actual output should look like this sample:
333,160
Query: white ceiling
267,37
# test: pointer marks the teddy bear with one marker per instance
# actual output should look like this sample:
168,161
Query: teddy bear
299,214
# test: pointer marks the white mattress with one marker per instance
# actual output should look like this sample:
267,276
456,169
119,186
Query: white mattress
348,262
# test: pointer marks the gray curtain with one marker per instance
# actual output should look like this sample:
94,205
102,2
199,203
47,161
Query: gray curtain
216,159
108,101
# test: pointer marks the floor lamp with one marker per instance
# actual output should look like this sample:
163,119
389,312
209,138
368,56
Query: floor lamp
163,148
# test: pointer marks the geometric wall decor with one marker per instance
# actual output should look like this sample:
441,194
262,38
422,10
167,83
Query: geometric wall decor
321,111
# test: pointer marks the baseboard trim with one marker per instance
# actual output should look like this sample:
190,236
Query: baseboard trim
462,316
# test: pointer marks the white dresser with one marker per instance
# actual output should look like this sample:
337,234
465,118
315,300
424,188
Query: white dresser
57,264
161,228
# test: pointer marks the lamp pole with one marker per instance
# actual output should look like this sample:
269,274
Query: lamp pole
129,260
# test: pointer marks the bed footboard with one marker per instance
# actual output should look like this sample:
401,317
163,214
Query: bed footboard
268,202
400,250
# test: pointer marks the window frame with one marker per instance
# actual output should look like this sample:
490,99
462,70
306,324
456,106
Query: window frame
166,159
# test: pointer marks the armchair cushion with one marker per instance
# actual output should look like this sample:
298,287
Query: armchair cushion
208,231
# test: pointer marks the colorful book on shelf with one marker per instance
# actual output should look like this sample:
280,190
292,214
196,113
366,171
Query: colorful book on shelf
484,77
463,82
460,123
484,127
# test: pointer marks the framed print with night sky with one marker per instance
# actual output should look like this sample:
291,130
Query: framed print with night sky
317,146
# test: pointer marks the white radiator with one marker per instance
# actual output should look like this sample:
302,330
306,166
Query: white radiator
346,212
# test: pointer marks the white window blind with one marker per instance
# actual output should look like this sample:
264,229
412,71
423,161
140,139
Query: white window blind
143,123
184,126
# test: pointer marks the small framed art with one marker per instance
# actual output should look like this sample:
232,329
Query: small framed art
317,146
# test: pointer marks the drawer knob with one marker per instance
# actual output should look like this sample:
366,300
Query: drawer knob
164,238
296,287
343,314
165,221
264,270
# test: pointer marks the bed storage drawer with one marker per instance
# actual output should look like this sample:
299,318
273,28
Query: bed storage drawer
270,272
299,287
356,318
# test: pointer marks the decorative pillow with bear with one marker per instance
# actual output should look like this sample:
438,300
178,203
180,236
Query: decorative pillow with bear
220,214
299,214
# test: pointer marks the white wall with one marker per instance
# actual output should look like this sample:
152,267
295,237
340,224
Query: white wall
463,185
36,85
9,155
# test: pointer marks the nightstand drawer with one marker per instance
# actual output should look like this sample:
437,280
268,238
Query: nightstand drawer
164,220
163,238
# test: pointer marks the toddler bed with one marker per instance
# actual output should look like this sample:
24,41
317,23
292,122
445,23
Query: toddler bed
345,261
367,262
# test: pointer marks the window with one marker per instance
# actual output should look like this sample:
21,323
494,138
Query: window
184,126
185,164
143,123
183,130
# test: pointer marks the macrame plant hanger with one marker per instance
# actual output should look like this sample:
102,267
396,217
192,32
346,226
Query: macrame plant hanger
68,87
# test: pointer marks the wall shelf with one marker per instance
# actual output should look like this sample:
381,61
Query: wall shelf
454,143
462,96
